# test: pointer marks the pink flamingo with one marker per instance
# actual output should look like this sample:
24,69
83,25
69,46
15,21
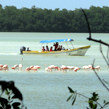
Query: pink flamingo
76,69
59,69
91,67
64,68
46,69
1,65
28,69
53,67
49,68
97,68
34,68
21,65
15,67
71,68
31,66
86,68
38,67
1,68
5,67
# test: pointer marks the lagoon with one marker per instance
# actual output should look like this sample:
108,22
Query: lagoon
48,90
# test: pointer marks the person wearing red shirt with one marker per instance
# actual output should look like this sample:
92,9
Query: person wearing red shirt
43,48
51,48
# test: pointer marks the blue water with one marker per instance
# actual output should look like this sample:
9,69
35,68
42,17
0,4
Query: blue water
48,90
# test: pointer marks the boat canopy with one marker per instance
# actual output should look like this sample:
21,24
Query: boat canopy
57,40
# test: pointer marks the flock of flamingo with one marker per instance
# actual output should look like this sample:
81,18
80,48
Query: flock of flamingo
64,68
50,68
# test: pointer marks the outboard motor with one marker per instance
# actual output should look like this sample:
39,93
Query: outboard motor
22,49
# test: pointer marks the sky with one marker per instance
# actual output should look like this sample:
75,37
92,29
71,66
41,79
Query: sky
53,4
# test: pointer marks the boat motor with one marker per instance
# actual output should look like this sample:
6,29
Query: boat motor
22,49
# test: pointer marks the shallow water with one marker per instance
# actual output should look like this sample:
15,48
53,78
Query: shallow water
46,90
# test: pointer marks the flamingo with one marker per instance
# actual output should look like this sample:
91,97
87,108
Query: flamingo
1,68
64,68
76,69
91,67
59,69
28,69
71,68
5,67
34,68
50,68
38,67
97,68
31,66
53,67
47,68
15,67
1,65
86,68
21,65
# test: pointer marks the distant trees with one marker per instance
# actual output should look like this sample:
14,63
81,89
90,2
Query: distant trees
47,20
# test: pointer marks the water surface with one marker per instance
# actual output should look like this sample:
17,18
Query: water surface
48,90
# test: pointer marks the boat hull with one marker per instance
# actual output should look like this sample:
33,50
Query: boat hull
72,52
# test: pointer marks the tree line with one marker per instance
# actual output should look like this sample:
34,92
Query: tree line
48,20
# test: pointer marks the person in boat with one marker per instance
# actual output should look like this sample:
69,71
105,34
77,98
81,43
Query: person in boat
47,49
51,48
28,49
62,48
59,48
43,48
56,46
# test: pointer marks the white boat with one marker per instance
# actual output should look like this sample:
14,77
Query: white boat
80,51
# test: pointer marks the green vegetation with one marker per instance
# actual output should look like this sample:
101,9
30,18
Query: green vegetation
92,101
14,98
47,20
